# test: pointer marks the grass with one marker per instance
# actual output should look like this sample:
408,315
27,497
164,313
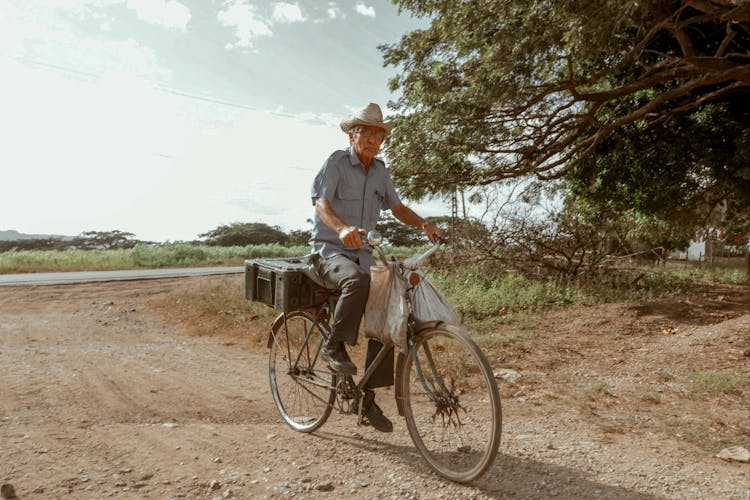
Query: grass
486,301
218,306
488,297
145,256
142,256
726,270
600,389
713,383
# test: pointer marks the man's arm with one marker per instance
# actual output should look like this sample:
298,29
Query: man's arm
349,235
410,218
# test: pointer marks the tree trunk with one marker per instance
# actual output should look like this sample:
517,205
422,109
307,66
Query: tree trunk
709,245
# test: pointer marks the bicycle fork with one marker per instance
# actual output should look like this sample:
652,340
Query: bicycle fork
446,402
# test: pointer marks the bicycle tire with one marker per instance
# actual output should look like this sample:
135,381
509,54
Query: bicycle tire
459,438
303,387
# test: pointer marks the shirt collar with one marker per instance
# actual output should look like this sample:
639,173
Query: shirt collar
354,159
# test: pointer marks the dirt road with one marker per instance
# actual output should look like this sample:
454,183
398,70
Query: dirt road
101,396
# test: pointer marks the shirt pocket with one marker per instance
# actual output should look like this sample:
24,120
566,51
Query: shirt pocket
350,203
349,193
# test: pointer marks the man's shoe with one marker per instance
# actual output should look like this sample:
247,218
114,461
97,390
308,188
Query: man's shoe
334,353
373,414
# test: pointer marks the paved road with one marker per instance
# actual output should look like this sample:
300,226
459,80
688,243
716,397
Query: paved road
86,276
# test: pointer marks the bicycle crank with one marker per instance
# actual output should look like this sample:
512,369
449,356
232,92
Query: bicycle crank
346,395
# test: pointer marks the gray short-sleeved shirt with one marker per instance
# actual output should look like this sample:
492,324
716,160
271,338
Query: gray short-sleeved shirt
356,198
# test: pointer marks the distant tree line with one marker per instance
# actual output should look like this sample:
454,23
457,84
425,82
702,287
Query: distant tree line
256,233
88,240
252,233
235,234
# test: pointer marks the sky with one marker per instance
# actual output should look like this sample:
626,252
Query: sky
168,118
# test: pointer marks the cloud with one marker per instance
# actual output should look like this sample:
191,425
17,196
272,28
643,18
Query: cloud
127,57
363,9
287,13
44,38
247,25
334,12
169,13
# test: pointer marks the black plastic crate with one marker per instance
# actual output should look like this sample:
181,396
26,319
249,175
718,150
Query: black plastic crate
281,283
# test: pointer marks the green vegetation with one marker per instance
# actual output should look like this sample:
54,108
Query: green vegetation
226,245
486,297
141,256
714,383
600,102
153,256
719,272
473,81
244,233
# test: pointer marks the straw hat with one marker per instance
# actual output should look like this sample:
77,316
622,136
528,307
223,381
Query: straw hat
369,115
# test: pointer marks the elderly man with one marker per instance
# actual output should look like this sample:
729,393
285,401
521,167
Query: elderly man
348,193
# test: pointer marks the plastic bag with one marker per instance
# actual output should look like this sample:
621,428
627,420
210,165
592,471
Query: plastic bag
429,304
386,312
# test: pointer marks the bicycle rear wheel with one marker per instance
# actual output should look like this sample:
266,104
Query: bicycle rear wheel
451,403
303,387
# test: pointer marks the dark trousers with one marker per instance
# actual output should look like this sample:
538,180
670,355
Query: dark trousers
346,275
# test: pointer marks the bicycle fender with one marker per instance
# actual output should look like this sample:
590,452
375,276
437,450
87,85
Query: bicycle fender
275,327
400,360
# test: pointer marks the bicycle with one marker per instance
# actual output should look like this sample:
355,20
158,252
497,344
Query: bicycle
444,386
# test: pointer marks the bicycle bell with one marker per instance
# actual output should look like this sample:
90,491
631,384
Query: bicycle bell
374,238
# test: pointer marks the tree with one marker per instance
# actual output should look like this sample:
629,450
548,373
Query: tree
104,240
244,233
33,244
399,234
88,240
691,170
495,89
299,237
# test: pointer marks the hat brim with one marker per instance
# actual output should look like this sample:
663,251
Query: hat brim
346,125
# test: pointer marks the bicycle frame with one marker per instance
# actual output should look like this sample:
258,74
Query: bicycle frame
322,314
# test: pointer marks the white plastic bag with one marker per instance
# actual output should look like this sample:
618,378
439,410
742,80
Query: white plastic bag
386,313
429,304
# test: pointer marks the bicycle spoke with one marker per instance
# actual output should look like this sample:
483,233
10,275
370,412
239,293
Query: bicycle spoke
452,408
303,392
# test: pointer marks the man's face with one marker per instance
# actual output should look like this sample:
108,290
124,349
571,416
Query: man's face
366,141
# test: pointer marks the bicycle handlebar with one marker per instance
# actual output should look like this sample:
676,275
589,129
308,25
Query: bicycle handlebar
374,239
414,261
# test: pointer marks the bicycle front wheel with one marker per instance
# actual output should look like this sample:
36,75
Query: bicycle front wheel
451,403
303,387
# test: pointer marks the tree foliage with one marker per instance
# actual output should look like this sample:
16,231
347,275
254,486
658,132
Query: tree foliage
299,237
399,234
244,233
104,240
691,170
87,240
495,89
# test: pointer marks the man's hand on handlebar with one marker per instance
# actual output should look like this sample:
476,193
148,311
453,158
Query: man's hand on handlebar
433,232
351,236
